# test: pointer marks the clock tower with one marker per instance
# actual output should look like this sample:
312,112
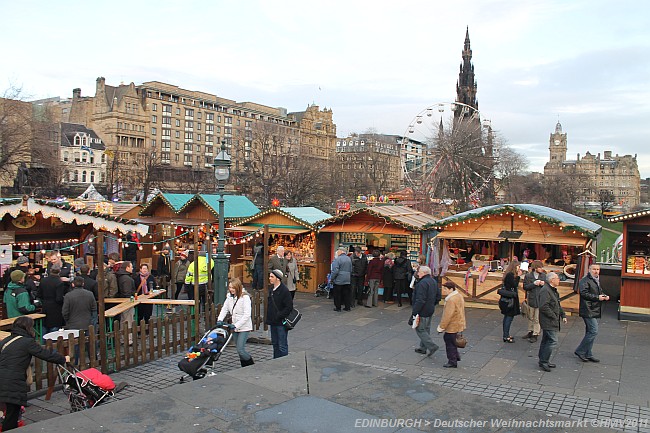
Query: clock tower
557,146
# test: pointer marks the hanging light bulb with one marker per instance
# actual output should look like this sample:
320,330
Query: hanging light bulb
155,247
3,253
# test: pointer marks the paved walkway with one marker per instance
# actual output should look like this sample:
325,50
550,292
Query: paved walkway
363,361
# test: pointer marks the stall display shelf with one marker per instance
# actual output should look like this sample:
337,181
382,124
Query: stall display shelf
638,264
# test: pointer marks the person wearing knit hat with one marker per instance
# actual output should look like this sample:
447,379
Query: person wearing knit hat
22,261
16,296
280,305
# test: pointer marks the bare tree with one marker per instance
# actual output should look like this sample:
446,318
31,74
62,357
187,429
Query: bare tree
509,167
607,200
16,133
562,191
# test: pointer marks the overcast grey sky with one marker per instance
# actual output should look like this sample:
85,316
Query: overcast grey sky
375,63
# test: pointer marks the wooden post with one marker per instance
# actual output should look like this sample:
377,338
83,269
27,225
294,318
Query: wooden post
265,277
101,294
197,304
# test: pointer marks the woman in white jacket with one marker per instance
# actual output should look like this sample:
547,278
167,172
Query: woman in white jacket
238,304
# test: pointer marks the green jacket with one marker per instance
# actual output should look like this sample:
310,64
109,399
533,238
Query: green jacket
203,271
17,300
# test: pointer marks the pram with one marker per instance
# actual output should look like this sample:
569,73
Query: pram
85,389
325,288
201,357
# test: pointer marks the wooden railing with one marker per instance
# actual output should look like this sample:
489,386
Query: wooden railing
161,337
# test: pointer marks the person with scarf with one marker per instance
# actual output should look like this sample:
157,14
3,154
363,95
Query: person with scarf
144,283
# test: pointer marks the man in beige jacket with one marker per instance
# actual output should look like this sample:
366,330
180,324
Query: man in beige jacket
452,322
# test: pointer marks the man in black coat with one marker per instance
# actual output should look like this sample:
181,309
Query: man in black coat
551,315
591,301
359,269
425,298
280,305
89,284
164,270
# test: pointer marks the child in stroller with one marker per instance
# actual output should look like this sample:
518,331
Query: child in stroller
88,388
325,288
206,352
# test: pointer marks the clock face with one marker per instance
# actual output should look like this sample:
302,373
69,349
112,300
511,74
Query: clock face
24,221
557,142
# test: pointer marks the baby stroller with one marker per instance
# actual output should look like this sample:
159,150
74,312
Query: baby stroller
325,288
202,356
85,389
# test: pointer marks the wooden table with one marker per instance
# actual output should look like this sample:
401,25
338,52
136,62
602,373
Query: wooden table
38,323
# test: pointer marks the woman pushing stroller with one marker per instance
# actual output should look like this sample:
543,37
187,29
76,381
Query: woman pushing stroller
238,305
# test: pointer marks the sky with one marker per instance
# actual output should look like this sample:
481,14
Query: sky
377,64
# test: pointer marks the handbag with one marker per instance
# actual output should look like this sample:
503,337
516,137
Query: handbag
228,317
525,309
292,319
28,371
460,341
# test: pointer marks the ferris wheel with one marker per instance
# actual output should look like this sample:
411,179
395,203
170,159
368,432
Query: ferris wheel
448,154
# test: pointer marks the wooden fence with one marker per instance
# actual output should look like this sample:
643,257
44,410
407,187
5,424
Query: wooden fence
161,337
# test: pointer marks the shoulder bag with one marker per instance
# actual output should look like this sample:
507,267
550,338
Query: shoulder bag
292,319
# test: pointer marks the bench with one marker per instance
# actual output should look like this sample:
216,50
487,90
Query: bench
38,323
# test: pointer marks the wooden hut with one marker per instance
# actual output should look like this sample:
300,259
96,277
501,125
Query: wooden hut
635,266
501,232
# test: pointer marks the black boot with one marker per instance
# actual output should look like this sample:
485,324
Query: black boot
246,362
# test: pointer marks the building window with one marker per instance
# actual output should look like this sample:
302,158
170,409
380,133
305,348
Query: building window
209,117
177,146
154,131
154,107
167,121
189,136
176,157
166,132
154,119
153,143
187,147
92,177
167,109
178,111
189,124
189,112
77,157
198,137
198,126
178,123
65,156
83,176
178,134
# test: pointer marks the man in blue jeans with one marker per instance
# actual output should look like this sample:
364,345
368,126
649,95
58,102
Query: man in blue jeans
550,316
591,301
280,305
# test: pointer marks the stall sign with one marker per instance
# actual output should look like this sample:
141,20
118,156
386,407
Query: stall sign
7,237
342,206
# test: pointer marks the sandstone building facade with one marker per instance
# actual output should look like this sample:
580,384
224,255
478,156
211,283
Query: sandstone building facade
595,175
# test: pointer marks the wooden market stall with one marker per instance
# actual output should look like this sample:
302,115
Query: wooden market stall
500,232
635,266
383,227
175,216
30,227
293,228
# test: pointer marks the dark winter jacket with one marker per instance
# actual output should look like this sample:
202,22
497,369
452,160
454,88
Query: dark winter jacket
78,308
51,291
532,290
18,300
258,257
426,296
13,365
280,263
125,284
550,310
280,305
359,265
387,277
402,269
509,290
90,285
164,265
590,305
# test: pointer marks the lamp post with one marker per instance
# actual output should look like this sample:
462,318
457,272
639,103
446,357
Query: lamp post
221,165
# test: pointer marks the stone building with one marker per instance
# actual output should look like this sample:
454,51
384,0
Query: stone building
82,156
158,134
595,175
369,164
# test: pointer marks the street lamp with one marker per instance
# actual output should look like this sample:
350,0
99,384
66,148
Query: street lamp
221,165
